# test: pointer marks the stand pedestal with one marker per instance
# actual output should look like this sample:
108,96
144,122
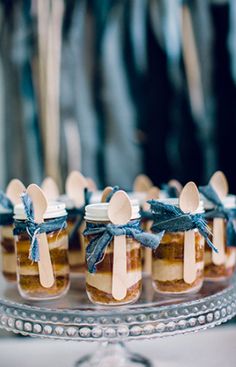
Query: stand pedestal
113,355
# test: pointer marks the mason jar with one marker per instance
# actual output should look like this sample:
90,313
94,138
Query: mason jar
7,244
99,284
213,270
28,280
168,261
76,252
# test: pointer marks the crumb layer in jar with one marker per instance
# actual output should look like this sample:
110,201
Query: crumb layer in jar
99,297
8,256
30,284
168,264
223,271
27,270
226,270
9,265
172,247
179,286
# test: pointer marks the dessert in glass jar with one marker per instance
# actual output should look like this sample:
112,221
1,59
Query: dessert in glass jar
28,279
215,270
168,261
7,244
75,228
99,284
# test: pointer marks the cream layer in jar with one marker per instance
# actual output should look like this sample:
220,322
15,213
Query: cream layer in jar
28,272
168,261
99,284
223,271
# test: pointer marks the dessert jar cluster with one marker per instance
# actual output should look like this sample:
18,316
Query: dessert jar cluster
7,244
219,266
75,228
28,277
168,262
99,283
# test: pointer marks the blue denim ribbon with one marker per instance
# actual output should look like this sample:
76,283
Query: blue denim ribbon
219,211
104,234
34,229
5,202
169,218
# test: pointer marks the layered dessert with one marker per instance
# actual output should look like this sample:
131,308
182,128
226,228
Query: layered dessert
99,284
146,253
223,271
8,252
168,264
76,253
28,279
28,273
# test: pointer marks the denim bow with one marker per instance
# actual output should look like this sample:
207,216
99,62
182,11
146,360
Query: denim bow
169,218
5,202
34,229
104,234
219,211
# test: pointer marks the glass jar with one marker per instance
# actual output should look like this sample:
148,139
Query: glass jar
76,251
28,280
7,245
99,284
168,261
219,272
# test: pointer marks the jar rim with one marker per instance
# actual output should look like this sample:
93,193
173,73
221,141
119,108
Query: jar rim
99,212
175,202
55,209
229,202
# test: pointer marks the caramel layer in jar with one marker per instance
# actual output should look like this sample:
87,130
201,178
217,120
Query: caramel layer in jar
27,271
168,264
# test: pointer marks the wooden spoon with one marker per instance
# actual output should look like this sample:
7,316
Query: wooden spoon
105,193
153,193
220,184
142,183
188,203
119,212
75,185
50,188
14,190
40,204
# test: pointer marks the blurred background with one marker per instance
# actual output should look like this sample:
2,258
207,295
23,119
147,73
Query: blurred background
117,87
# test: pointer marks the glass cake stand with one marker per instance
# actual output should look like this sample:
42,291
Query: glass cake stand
153,316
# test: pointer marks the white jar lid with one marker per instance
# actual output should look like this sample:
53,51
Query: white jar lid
229,202
55,209
175,202
4,210
68,202
98,212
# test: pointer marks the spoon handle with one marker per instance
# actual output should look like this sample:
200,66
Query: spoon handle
218,241
119,276
46,275
190,270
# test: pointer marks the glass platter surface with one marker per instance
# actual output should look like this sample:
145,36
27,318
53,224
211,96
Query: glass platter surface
74,317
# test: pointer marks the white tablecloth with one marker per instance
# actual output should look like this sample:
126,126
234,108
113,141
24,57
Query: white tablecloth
212,348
